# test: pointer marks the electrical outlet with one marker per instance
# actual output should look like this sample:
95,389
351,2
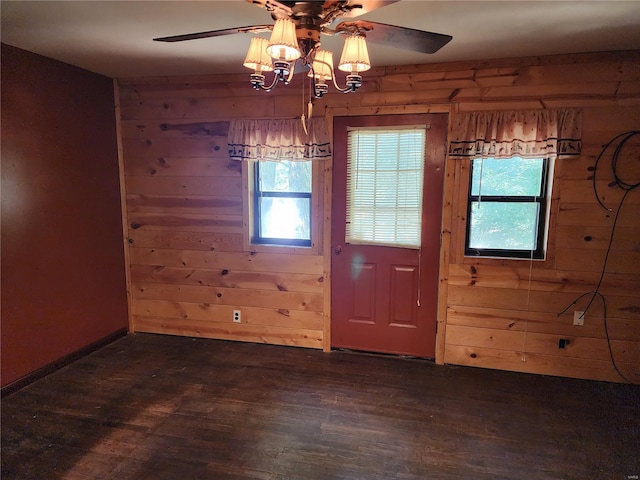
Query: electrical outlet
237,316
578,318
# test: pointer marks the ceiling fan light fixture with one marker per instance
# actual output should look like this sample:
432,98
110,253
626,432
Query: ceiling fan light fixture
283,44
296,35
257,58
322,69
355,56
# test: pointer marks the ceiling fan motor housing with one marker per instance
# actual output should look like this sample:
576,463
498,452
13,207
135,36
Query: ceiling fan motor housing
309,20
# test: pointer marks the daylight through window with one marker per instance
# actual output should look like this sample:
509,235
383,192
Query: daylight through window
282,210
507,208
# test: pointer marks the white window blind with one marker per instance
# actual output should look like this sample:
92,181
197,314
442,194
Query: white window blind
384,186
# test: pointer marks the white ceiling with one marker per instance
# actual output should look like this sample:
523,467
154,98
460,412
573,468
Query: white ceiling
114,38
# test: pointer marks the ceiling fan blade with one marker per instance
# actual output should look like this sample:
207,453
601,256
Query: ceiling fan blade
399,37
355,8
215,33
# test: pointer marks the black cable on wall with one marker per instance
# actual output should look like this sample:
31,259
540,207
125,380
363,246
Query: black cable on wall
619,142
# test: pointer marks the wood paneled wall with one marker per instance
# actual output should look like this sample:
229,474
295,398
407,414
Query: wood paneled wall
191,265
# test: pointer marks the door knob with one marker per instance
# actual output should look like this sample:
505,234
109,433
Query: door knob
338,249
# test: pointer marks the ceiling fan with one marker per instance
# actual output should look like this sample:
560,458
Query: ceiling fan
297,35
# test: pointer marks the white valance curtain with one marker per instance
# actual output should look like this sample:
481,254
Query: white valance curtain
277,140
526,134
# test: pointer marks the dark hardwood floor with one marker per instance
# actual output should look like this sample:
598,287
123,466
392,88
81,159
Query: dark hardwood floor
160,407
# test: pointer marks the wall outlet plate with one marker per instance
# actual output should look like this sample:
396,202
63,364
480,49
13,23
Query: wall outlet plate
578,318
237,316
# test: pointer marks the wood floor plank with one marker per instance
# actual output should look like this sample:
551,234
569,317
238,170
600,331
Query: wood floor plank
161,407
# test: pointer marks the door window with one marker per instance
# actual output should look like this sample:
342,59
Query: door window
385,168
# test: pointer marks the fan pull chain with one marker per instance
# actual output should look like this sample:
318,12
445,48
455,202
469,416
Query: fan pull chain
526,324
302,117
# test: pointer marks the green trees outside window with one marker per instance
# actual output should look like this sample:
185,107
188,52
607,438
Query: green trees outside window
507,207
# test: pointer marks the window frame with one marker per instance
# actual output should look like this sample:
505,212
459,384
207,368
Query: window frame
539,253
257,194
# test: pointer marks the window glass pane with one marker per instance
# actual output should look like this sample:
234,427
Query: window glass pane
288,218
384,186
507,177
285,176
503,225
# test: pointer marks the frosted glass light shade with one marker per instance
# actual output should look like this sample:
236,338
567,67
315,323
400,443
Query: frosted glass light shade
257,58
322,65
355,56
283,44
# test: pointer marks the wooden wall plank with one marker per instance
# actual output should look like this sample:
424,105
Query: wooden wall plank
591,214
190,186
175,128
541,364
242,332
597,238
529,342
196,108
228,261
543,343
228,296
152,149
577,191
202,204
540,279
205,312
208,166
186,222
234,279
538,301
618,261
540,322
174,240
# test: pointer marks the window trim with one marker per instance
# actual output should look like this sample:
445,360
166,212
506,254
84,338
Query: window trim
543,218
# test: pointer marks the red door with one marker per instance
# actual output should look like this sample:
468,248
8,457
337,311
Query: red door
384,299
